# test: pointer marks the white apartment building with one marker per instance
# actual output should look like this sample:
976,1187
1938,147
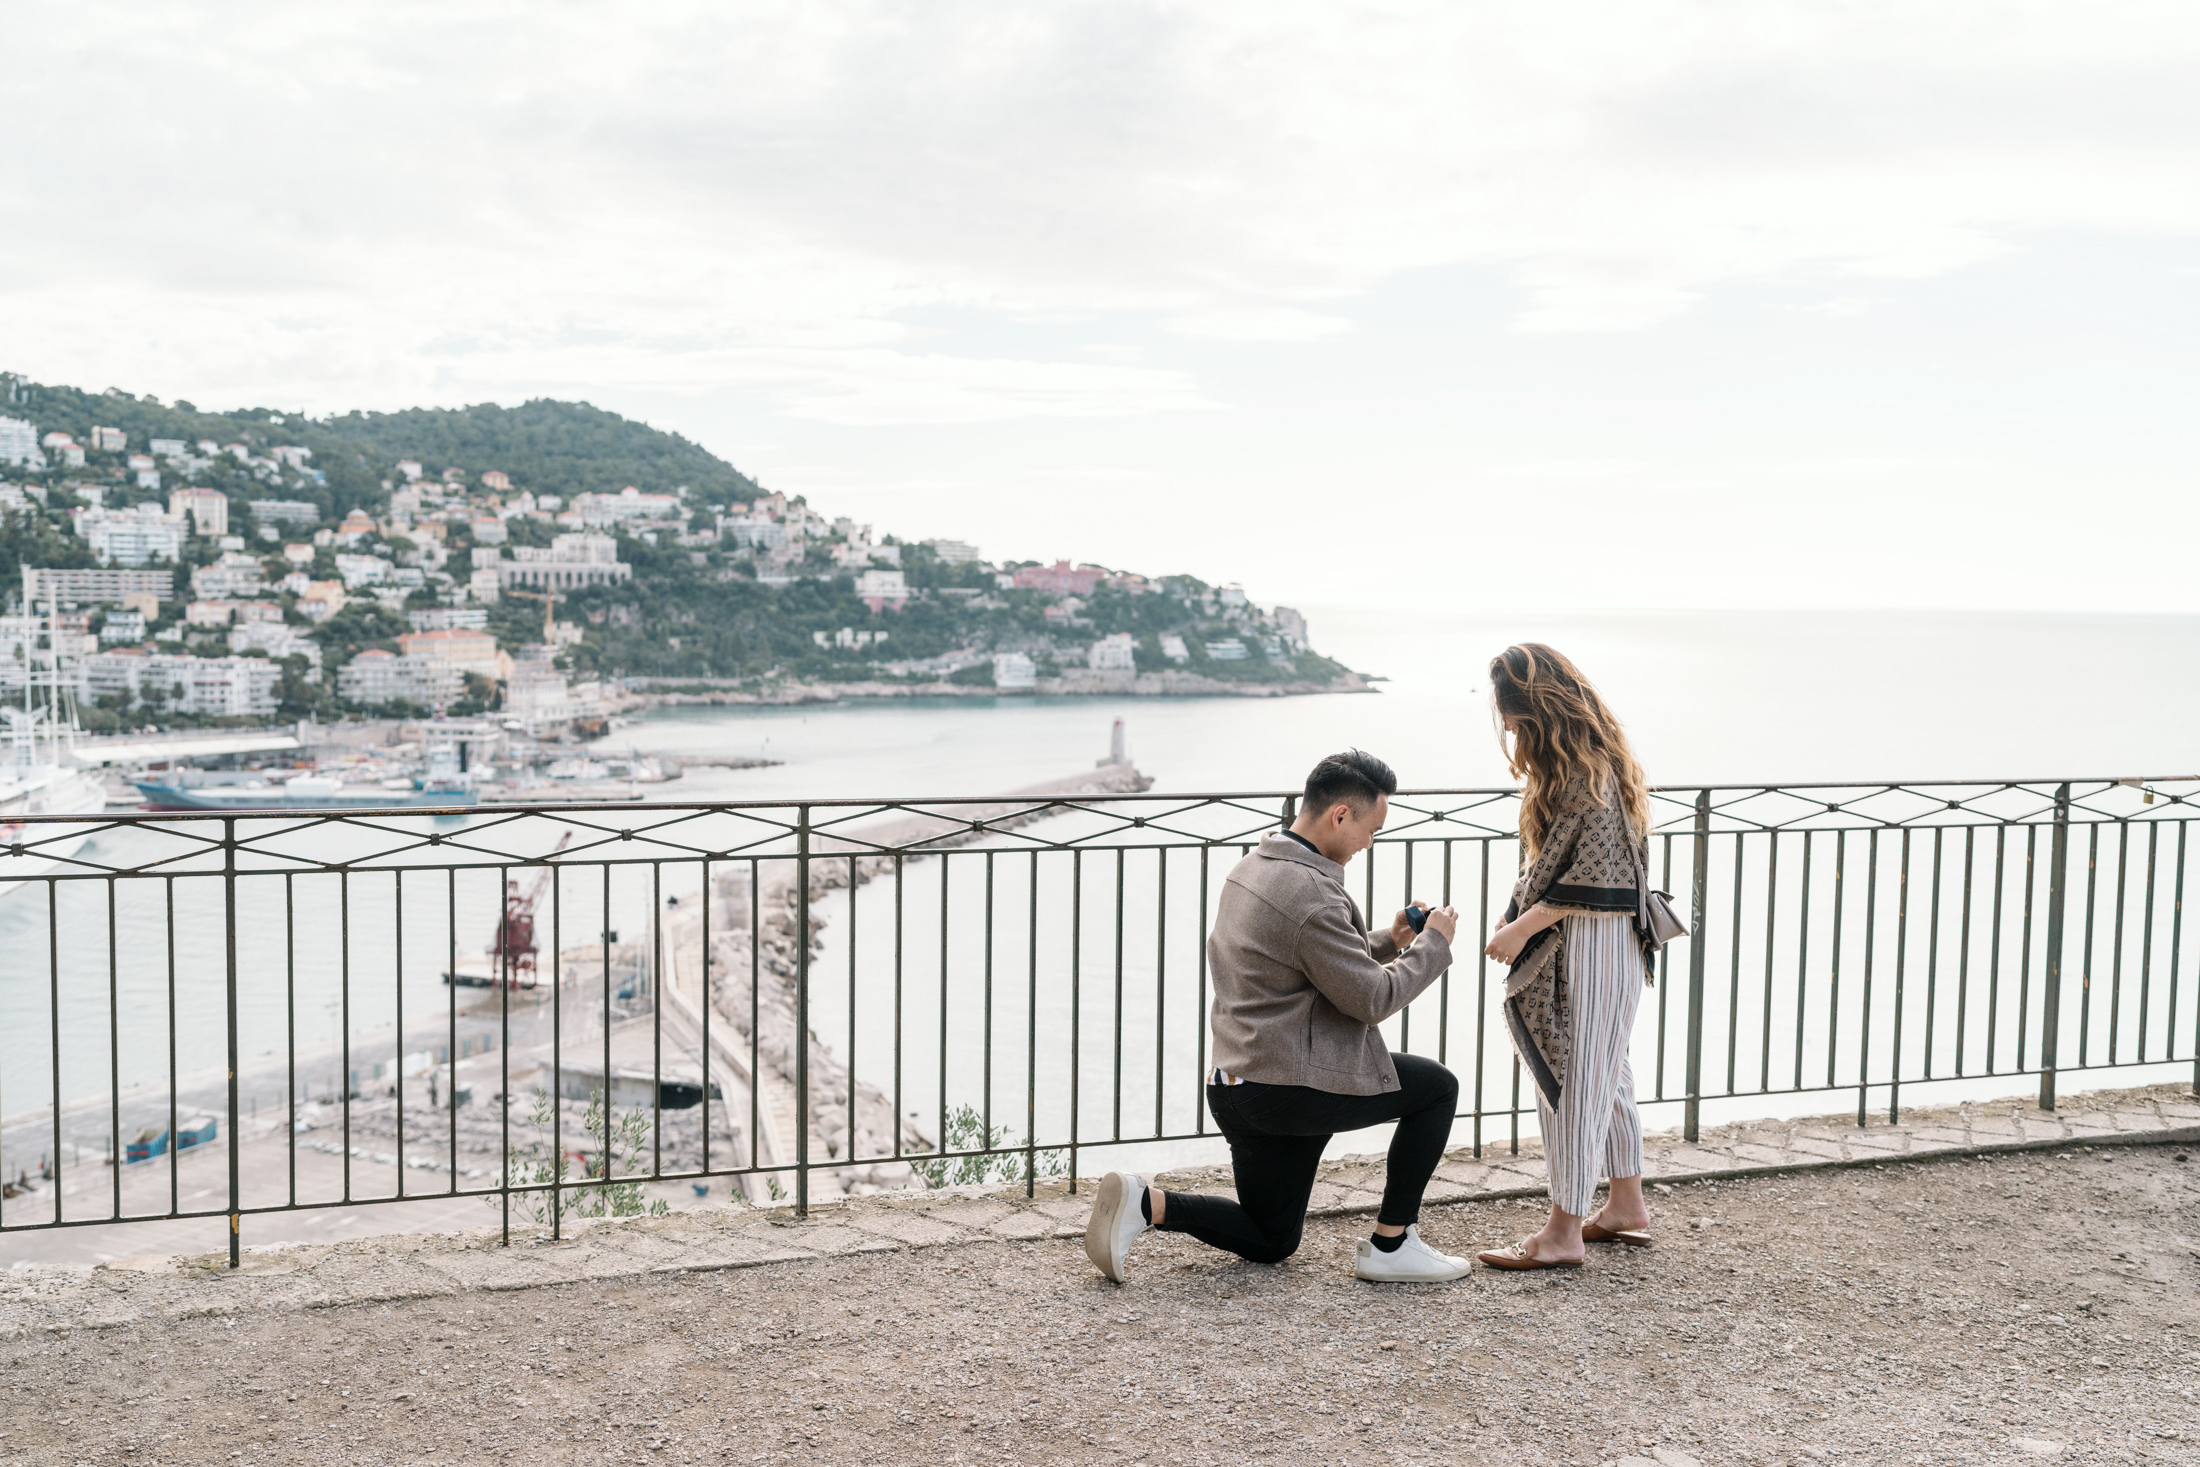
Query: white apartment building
207,509
233,687
953,552
1116,652
467,650
375,678
139,535
758,533
23,636
276,640
235,574
601,511
572,561
362,570
95,587
1014,672
284,511
882,590
446,618
19,444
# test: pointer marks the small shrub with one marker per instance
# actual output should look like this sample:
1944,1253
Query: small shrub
533,1165
966,1131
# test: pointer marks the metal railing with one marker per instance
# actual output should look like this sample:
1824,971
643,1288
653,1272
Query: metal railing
568,1010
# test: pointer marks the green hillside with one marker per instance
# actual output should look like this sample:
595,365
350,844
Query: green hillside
700,603
562,448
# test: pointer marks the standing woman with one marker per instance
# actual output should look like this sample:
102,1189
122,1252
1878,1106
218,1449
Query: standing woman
1578,956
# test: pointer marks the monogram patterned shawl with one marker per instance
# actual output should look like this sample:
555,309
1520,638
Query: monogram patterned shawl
1587,865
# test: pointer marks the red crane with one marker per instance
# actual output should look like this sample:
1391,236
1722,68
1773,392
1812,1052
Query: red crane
514,950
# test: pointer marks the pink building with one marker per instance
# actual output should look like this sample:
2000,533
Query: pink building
1059,579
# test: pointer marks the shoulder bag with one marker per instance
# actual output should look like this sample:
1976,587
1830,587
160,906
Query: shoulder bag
1655,920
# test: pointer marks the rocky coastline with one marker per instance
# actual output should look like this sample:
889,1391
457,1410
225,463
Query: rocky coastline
686,692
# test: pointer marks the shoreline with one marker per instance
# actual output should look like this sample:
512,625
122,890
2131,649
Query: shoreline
690,692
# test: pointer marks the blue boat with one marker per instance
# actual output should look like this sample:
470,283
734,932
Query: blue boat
307,792
153,1141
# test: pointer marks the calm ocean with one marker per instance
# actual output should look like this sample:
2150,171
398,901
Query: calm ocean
1726,697
1719,697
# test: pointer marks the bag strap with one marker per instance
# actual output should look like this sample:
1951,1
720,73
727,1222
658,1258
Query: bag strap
1642,884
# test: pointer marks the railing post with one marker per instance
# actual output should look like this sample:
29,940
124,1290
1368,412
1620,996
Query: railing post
802,1013
1290,810
229,923
2051,1018
1695,965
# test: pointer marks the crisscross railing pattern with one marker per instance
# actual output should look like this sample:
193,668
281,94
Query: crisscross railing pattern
575,1008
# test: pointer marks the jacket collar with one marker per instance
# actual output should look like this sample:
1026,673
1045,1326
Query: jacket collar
1277,846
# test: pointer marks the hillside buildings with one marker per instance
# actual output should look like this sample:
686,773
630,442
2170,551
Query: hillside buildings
139,535
77,587
462,648
19,444
1116,652
1058,579
572,562
221,687
376,677
208,509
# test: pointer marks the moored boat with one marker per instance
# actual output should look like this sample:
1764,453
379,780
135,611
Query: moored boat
306,792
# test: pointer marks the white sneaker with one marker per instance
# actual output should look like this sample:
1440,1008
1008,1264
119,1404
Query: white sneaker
1412,1262
1116,1219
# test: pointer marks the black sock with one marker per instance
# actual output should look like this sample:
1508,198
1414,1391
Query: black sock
1388,1245
1145,1204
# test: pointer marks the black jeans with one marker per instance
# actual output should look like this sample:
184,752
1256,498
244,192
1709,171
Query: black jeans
1276,1135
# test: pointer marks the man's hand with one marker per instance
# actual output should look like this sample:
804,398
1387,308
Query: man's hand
1443,919
1401,929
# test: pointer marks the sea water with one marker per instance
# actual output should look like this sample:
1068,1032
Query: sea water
1713,697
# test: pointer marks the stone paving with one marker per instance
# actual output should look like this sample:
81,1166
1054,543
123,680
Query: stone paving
418,1266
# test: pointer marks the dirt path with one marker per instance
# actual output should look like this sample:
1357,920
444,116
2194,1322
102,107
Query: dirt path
2010,1308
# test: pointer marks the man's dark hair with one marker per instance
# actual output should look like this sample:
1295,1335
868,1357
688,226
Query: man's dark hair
1354,778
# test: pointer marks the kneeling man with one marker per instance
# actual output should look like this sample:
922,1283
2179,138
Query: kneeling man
1300,985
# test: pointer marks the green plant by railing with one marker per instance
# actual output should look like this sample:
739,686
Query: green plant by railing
966,1131
535,1165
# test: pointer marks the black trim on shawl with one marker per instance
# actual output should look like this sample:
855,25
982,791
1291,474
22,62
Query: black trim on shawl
1592,898
1531,1054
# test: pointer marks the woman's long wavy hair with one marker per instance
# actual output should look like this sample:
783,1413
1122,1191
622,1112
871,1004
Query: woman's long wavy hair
1561,731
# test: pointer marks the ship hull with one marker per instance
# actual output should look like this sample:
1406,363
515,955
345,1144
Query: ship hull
276,801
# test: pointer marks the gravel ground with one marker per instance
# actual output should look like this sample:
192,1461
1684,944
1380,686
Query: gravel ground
2010,1308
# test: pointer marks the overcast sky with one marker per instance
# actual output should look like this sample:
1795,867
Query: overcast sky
1447,306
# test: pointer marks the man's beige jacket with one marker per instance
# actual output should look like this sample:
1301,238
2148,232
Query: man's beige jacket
1299,983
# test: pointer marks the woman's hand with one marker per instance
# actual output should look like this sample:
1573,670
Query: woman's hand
1506,943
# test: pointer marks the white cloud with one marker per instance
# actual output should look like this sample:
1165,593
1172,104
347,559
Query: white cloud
380,203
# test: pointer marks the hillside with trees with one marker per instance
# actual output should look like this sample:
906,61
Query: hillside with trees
728,585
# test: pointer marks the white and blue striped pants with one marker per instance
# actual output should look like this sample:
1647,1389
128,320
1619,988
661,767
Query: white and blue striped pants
1596,1130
